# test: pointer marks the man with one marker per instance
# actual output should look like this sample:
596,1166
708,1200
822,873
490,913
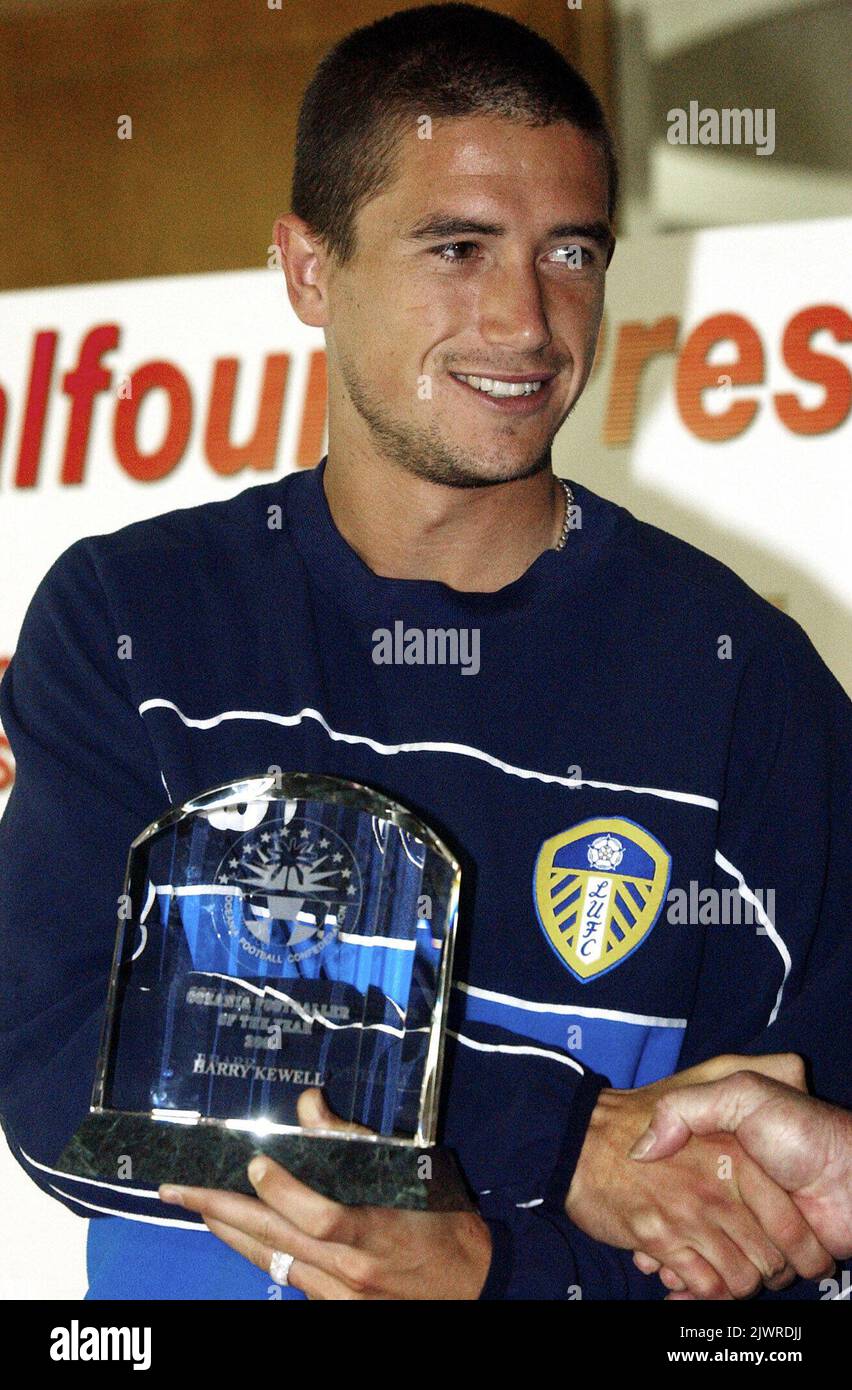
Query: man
451,228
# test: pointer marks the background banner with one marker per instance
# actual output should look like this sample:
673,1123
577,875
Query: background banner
716,410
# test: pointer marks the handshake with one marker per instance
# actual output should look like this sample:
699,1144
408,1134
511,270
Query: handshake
722,1178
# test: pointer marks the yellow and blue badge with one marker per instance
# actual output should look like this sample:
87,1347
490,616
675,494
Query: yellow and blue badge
598,890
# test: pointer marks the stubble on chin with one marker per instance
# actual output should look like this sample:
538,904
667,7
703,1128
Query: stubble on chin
422,451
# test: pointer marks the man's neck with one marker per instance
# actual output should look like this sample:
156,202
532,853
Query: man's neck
472,539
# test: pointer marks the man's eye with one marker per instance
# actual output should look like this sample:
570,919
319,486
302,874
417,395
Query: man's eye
577,256
442,251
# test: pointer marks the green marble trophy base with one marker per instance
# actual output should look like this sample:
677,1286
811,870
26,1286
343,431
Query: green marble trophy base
357,1172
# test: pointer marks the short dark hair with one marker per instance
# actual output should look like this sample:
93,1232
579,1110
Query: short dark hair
436,60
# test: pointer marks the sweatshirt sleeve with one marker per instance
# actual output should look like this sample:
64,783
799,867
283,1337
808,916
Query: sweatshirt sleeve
782,981
86,785
516,1115
538,1253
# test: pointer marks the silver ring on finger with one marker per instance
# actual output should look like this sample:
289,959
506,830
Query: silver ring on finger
280,1266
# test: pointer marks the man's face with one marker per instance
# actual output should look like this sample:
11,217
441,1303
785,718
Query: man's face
520,293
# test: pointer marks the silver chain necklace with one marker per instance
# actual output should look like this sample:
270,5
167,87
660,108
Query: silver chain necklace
566,525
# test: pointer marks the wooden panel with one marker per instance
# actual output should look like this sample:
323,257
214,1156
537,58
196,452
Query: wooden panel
213,90
583,35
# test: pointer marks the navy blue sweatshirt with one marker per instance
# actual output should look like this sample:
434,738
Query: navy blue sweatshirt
643,732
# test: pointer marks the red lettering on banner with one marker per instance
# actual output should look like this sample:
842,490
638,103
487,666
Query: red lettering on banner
259,451
153,376
637,343
82,385
808,365
696,375
38,388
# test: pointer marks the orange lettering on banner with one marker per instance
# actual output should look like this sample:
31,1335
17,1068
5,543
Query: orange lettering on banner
163,376
82,385
38,389
637,343
309,447
695,375
259,452
808,365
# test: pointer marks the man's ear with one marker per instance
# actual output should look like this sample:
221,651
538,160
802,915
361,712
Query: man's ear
303,259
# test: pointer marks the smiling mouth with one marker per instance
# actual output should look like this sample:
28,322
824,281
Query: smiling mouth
500,389
504,397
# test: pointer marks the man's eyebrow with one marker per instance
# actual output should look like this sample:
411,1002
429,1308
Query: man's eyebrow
445,226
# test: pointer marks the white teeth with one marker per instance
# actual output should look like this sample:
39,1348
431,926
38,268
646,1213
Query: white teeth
500,388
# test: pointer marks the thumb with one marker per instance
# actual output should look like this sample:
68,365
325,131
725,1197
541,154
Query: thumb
312,1112
711,1108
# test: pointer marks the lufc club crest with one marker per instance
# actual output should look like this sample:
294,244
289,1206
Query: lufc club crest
598,889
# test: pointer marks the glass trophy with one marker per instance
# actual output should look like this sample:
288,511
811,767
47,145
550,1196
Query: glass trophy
275,934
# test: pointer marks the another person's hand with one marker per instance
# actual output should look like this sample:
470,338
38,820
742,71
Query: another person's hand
344,1252
801,1143
707,1216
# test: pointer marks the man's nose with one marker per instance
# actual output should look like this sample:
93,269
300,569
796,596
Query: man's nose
511,309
